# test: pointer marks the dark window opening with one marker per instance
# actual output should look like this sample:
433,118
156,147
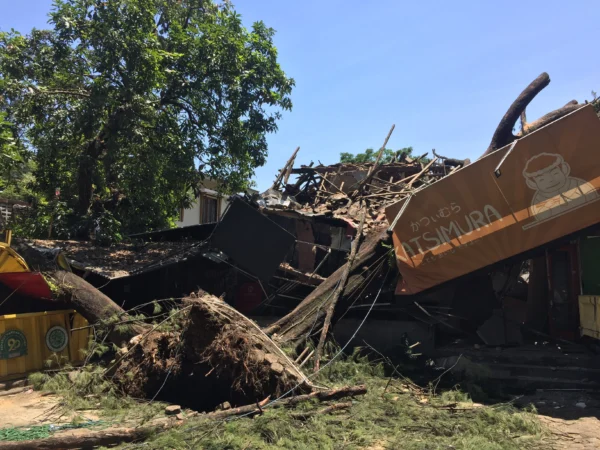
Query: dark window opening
209,209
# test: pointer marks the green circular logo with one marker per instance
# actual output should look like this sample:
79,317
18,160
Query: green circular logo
13,344
57,338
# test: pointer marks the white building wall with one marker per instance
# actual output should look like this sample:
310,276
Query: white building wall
191,216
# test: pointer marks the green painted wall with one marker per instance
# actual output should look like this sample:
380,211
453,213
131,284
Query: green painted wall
590,264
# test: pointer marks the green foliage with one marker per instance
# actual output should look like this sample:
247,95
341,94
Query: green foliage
36,222
15,165
386,417
25,434
88,388
353,369
126,105
370,155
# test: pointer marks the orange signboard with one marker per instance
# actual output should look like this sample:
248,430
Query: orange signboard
536,190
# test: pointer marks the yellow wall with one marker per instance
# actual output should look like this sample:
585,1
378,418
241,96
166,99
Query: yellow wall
10,261
35,326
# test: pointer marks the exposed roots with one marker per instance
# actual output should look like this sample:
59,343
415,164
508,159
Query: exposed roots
220,355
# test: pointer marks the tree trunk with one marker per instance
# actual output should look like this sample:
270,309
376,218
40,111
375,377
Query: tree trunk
504,132
549,118
94,306
309,314
85,174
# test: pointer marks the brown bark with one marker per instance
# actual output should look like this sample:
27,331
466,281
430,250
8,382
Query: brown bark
94,150
549,118
38,259
332,394
504,132
452,162
85,175
310,313
93,305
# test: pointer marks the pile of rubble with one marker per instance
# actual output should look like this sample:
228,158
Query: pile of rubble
287,234
339,190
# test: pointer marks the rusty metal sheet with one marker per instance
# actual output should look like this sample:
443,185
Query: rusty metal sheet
536,190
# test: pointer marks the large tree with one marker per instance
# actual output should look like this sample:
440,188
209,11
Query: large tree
15,165
127,104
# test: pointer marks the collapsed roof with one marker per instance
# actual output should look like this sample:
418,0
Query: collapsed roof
118,260
333,191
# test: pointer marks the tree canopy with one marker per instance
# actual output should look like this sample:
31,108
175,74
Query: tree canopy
369,155
126,105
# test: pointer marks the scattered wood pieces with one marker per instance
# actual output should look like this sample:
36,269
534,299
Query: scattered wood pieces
331,394
340,288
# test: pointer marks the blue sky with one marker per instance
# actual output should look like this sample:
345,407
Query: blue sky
443,72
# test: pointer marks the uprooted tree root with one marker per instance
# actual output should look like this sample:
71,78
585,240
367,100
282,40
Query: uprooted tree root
220,355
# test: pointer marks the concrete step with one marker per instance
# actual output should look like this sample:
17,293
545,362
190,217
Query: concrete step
540,371
532,382
543,357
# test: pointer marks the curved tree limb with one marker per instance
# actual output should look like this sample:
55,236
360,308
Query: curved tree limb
504,132
548,118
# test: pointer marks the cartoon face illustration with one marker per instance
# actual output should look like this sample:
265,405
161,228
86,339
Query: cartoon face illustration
556,191
552,181
547,173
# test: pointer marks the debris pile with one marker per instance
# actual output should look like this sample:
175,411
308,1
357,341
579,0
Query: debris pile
338,190
204,352
118,260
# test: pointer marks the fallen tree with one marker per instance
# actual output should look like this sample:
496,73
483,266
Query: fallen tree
308,317
504,131
77,293
201,355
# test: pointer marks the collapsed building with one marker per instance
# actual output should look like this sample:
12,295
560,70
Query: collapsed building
500,253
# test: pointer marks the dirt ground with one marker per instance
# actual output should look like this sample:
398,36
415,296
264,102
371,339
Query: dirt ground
579,434
28,408
571,417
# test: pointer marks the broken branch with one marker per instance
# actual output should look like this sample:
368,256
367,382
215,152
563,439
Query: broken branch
339,289
332,394
504,134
